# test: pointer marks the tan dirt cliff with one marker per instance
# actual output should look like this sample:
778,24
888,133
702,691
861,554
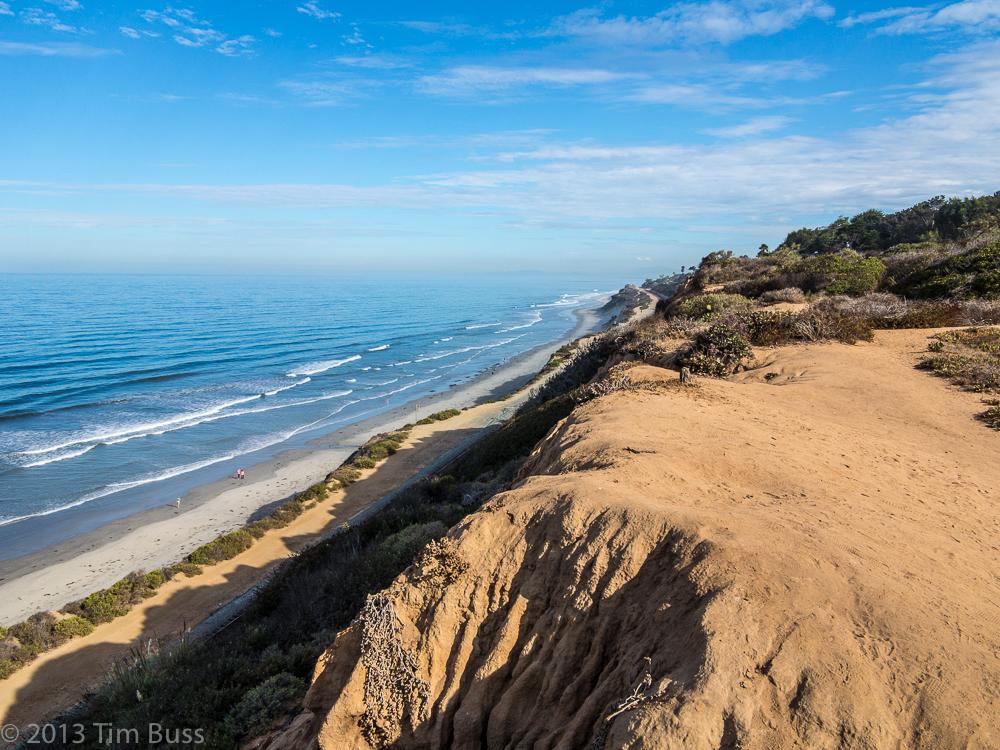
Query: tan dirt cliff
808,561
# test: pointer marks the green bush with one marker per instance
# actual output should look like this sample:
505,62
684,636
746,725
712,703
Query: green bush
365,462
224,547
187,568
8,667
719,351
847,272
73,627
103,606
711,306
440,416
263,704
345,475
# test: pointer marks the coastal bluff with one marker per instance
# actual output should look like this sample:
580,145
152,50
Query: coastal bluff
745,563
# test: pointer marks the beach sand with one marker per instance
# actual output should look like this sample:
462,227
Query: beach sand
157,538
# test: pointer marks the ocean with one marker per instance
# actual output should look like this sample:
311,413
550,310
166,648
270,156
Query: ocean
133,389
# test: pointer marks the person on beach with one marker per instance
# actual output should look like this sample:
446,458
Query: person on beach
177,503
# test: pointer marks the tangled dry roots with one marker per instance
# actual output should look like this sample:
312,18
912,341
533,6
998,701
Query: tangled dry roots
391,681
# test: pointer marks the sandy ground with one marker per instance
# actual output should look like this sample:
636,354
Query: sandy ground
806,561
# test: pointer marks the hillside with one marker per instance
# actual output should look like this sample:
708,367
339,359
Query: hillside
748,563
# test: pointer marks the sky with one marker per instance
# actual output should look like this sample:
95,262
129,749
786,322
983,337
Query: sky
321,136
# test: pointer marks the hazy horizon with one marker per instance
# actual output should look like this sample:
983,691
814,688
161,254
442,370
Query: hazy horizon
322,137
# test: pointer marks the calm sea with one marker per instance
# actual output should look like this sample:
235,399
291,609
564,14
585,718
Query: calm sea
112,385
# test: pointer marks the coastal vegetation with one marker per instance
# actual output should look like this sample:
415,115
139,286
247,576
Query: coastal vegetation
440,416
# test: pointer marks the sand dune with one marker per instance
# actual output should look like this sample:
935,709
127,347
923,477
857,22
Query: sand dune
810,560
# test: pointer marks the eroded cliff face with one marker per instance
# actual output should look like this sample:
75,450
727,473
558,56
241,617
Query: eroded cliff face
730,565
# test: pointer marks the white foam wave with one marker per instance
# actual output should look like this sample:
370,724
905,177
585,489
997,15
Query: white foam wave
193,422
145,427
276,391
534,321
482,325
314,368
59,457
381,348
176,471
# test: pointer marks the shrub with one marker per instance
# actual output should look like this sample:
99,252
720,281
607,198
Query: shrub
223,548
975,373
73,627
103,606
8,667
711,306
826,321
35,635
187,568
263,704
440,416
345,475
721,350
764,327
365,462
847,272
992,415
789,294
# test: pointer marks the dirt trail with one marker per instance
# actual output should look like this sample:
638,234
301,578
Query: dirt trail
806,561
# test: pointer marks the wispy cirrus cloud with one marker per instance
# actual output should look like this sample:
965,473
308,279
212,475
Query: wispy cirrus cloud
326,92
949,145
753,127
716,21
5,9
474,80
188,30
374,61
67,5
314,10
55,49
968,16
48,19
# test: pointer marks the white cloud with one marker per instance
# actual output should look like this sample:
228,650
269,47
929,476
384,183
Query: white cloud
239,47
190,31
273,33
54,49
313,9
752,127
39,17
949,144
468,80
5,9
374,62
133,33
65,4
718,21
322,93
969,16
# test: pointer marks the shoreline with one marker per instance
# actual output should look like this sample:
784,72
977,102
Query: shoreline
66,570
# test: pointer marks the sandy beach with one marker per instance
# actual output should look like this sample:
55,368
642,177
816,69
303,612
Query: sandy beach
66,571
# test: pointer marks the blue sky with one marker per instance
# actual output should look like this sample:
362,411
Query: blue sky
323,136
